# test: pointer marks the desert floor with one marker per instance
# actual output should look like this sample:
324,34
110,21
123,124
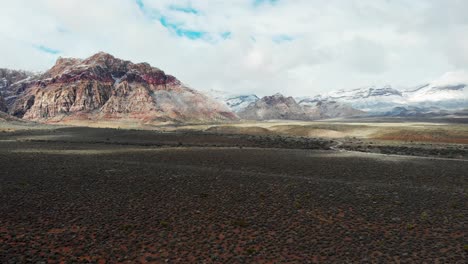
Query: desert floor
209,195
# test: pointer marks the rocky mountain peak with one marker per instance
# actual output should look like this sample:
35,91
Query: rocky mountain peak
106,61
101,56
275,106
61,61
278,98
105,68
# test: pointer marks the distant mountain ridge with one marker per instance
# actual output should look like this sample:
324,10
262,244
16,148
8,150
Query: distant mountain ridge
281,107
443,96
105,87
448,93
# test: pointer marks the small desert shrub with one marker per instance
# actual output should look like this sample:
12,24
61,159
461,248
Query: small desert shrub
127,227
164,223
250,251
240,223
297,205
424,216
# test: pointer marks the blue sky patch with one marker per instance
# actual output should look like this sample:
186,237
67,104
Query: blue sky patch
62,29
47,49
179,30
282,38
260,2
140,4
148,13
176,28
187,9
226,35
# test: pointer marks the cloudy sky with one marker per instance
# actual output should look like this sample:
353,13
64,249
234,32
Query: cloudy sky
297,47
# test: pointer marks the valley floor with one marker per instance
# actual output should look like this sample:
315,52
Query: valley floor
87,194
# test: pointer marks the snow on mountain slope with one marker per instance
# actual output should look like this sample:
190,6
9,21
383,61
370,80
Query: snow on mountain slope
370,99
279,107
449,92
236,102
363,93
240,102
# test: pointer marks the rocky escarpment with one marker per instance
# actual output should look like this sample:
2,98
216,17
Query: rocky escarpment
103,87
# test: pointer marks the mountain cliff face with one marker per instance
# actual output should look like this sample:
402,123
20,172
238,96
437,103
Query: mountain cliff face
105,87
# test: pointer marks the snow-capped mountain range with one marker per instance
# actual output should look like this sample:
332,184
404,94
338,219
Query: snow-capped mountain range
450,92
26,94
278,106
447,94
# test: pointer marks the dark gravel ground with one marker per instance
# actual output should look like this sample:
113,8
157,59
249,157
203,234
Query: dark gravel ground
107,196
421,149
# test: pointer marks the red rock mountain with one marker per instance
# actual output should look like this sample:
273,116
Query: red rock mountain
105,87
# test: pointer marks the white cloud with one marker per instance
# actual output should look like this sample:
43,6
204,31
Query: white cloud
331,44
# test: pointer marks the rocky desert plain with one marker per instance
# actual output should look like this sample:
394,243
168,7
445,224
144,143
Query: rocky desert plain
107,161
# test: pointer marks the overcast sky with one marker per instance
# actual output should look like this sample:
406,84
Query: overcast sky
296,47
